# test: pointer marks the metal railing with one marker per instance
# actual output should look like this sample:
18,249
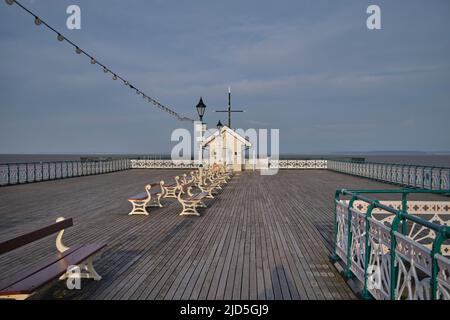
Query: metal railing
424,177
298,164
391,246
189,164
20,173
164,164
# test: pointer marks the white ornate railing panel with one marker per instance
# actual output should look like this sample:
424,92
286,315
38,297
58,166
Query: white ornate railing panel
189,164
414,263
413,277
379,266
443,288
165,164
298,164
433,178
437,212
342,229
357,248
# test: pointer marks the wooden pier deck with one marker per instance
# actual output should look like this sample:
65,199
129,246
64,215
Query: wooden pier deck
263,237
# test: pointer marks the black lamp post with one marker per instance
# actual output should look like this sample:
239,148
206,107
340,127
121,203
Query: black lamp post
201,109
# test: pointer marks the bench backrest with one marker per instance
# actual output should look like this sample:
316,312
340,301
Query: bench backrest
155,184
27,238
187,185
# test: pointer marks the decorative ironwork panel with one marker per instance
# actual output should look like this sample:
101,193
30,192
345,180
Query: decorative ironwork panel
358,248
45,171
23,174
58,166
63,169
445,179
342,230
13,174
414,269
38,172
390,170
436,178
405,175
384,172
412,176
437,212
79,168
52,171
4,174
398,174
443,279
70,169
30,167
419,177
427,178
379,267
380,169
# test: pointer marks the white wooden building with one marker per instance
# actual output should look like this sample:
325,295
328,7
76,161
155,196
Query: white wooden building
226,147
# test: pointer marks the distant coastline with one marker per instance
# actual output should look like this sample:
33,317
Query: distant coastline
417,158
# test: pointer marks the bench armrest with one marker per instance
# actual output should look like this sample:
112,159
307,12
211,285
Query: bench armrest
59,245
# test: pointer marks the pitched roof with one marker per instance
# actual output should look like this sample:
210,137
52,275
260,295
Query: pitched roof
228,130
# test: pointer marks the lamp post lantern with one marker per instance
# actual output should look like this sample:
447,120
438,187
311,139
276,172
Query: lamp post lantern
201,129
201,109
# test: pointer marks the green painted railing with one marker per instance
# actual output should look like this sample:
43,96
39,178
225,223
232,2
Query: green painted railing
416,176
395,254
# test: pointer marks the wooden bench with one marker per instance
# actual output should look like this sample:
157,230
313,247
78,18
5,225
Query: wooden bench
151,197
170,191
185,179
196,177
190,201
217,178
209,187
25,283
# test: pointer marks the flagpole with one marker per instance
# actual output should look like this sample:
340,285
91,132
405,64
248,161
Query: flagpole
229,107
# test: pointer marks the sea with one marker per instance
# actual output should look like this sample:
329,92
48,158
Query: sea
424,159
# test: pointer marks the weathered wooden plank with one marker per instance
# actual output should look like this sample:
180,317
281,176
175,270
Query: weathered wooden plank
263,237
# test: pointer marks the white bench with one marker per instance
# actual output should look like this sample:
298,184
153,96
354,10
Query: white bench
170,191
151,197
190,201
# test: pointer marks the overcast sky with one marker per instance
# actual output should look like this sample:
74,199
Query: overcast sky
310,68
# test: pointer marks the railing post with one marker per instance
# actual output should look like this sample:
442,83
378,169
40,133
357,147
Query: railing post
334,257
423,177
436,249
365,293
348,272
394,228
404,209
431,178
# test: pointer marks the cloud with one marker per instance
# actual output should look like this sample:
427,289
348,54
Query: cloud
309,68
